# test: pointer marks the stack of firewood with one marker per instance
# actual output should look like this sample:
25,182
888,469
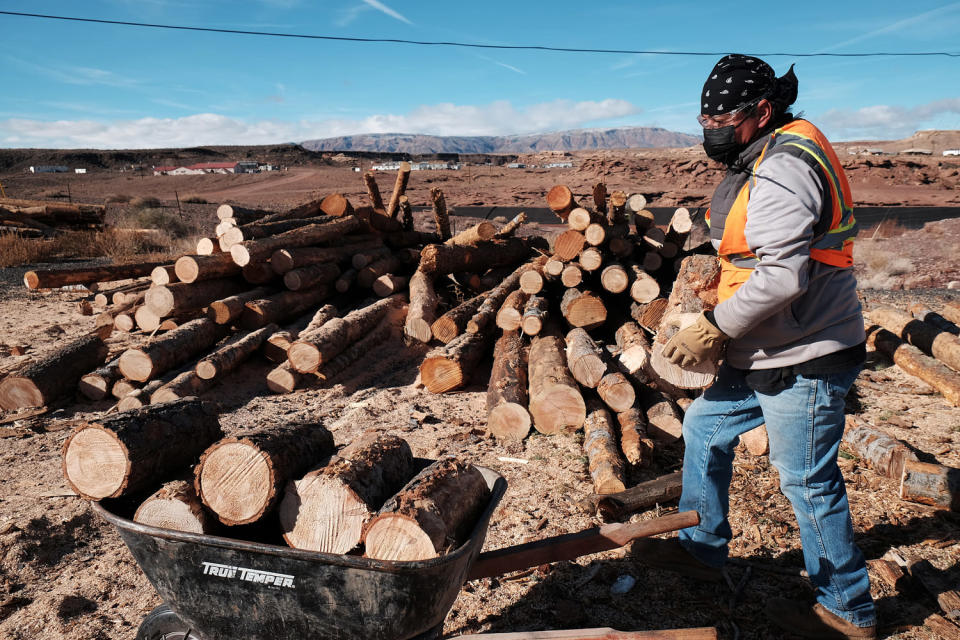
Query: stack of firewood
39,218
369,497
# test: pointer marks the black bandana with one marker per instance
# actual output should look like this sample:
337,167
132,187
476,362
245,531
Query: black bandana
737,81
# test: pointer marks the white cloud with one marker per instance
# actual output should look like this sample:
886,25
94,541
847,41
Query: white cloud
496,118
888,121
379,6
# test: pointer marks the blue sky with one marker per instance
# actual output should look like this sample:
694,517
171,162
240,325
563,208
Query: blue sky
75,85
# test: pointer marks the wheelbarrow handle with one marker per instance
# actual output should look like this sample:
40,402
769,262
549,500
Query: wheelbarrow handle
574,545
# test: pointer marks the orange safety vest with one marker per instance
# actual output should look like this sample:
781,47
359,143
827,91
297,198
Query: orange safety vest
833,243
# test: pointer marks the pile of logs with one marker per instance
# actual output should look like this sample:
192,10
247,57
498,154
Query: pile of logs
369,497
40,218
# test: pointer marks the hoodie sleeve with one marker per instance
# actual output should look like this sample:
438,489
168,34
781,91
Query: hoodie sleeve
784,205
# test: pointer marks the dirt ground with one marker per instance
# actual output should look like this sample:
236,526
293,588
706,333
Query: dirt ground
64,573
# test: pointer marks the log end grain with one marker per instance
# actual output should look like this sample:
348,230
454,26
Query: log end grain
95,463
440,374
236,497
398,537
17,392
509,421
320,514
136,364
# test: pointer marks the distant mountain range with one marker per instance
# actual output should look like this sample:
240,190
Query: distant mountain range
574,140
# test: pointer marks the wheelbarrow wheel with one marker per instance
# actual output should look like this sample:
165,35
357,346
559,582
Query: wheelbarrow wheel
164,624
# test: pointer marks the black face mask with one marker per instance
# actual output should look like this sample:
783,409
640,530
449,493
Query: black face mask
721,144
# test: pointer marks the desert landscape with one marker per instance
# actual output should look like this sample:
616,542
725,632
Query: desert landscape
66,573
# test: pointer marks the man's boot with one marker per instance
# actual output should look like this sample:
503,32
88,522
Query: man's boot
816,621
669,554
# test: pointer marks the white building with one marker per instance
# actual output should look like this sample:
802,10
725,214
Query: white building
952,152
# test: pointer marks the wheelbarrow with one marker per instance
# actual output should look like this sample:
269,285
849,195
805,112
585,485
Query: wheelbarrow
217,588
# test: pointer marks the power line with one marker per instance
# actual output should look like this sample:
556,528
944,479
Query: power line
473,45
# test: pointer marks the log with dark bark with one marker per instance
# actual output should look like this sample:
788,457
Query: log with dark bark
664,418
259,250
241,478
140,397
97,384
433,514
233,353
373,190
454,322
390,263
184,385
486,314
616,391
171,349
281,307
560,200
507,415
406,213
556,403
634,347
441,259
257,230
363,258
510,314
583,309
932,484
346,280
228,310
243,215
921,312
600,444
942,345
327,509
52,278
135,450
618,506
694,291
284,260
536,314
915,363
184,296
275,347
877,450
423,307
387,329
194,268
54,376
584,358
258,273
309,277
176,506
285,379
450,367
636,446
309,354
399,188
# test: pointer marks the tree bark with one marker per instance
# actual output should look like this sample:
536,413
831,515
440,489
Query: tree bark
600,444
664,418
281,306
584,358
921,312
478,233
636,446
311,353
135,450
508,229
583,309
450,367
170,350
555,400
229,356
877,450
228,310
618,506
309,277
52,278
388,264
486,314
98,383
406,213
184,296
399,188
259,250
366,345
241,478
258,230
194,268
915,363
440,259
536,313
373,191
423,307
507,415
175,506
935,342
258,273
694,291
432,515
346,280
284,260
454,322
634,347
55,376
361,259
616,391
510,314
932,484
327,509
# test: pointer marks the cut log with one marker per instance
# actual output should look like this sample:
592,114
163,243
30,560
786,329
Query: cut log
681,223
122,388
52,278
584,358
309,354
649,315
756,441
480,232
507,415
571,276
207,247
651,262
603,454
242,214
555,400
441,259
54,376
389,284
616,212
125,321
194,268
664,418
877,450
256,230
951,311
346,280
931,484
694,291
258,273
921,312
259,250
229,356
228,310
621,247
406,213
935,342
616,391
327,509
636,203
560,200
432,515
163,275
440,215
591,259
280,307
454,322
135,450
508,229
399,188
423,307
450,367
175,506
141,397
536,313
284,260
98,383
568,245
644,287
915,363
618,506
600,197
373,190
388,264
510,314
532,281
170,350
368,344
309,277
336,205
614,278
636,446
361,259
285,379
634,347
184,385
579,219
183,296
241,478
553,267
486,314
583,309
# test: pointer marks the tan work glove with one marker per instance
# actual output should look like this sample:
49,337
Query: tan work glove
699,342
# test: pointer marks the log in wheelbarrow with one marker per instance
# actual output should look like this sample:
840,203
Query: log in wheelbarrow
217,588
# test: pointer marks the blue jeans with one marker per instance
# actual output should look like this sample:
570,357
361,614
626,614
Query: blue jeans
804,425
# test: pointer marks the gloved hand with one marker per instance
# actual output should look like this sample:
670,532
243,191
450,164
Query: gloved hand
698,343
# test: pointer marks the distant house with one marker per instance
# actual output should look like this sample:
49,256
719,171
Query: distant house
558,165
874,152
50,169
214,167
245,166
174,171
386,166
952,152
79,170
516,165
917,152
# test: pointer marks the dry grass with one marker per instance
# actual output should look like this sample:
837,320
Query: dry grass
118,198
877,266
145,202
193,198
119,244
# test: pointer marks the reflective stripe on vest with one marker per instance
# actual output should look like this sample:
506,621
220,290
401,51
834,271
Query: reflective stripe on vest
835,245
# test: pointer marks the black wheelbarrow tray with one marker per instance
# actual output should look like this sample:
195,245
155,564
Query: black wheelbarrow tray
217,588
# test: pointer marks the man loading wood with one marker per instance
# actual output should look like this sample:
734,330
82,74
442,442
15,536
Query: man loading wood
790,322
